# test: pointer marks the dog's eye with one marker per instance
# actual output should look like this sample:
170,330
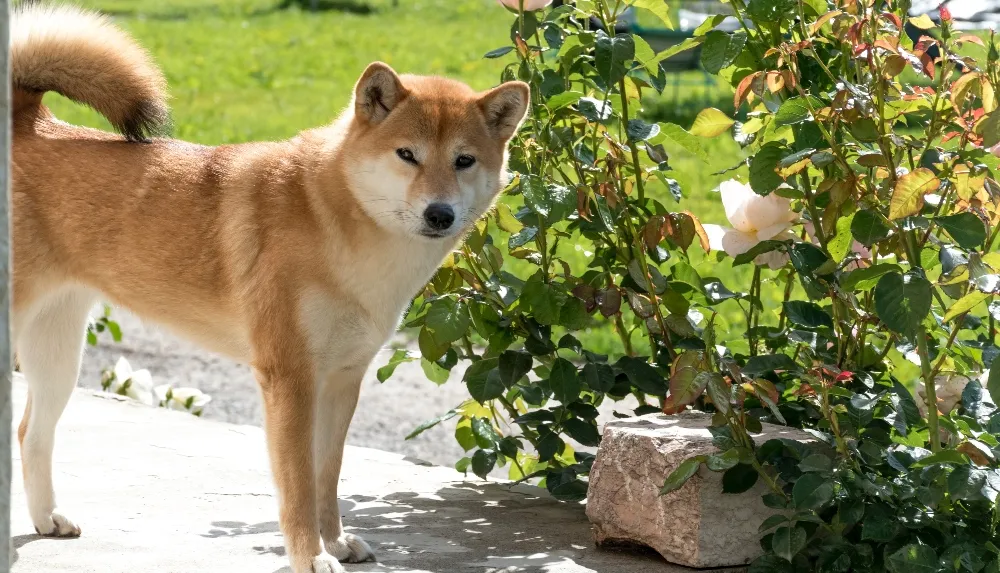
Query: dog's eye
406,155
464,161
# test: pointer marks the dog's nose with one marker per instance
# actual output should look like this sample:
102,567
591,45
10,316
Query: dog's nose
439,216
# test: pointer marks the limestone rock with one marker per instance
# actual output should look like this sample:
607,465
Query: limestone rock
697,525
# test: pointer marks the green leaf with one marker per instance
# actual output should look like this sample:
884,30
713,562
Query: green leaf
430,348
711,122
763,177
681,474
902,301
966,228
564,381
522,237
638,130
613,56
796,110
709,23
658,7
866,278
434,371
965,304
449,320
807,314
868,228
643,376
483,462
398,357
499,52
724,461
771,11
758,365
483,380
756,250
514,364
684,46
431,423
812,491
583,432
908,196
544,300
914,559
993,382
989,128
679,136
788,541
486,436
554,202
739,479
948,457
816,463
506,219
842,241
549,444
721,49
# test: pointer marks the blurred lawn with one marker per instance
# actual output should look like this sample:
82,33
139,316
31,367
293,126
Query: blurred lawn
243,70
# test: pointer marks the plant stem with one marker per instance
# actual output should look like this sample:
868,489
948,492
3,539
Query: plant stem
632,145
930,392
753,318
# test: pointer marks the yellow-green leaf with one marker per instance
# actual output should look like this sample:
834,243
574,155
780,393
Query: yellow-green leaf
711,122
841,242
908,196
923,22
506,219
965,304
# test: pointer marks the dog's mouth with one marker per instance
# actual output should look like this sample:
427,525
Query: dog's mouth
432,234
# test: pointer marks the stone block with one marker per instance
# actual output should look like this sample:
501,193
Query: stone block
695,526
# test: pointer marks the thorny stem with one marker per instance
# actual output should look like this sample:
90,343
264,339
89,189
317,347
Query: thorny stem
753,318
632,146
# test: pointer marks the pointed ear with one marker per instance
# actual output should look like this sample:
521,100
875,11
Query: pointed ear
377,93
504,108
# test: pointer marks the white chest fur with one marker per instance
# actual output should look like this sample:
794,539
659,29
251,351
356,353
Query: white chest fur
345,330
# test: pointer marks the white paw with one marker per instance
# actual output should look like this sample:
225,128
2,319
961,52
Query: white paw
56,525
326,563
350,548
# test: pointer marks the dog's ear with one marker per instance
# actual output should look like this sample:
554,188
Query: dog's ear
504,108
377,93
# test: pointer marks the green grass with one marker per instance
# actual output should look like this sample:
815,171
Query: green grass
247,70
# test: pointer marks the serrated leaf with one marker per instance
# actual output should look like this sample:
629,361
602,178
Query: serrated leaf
866,278
914,558
902,301
965,228
564,381
430,424
812,491
711,122
681,474
763,177
908,195
807,314
796,110
965,304
788,541
682,138
398,357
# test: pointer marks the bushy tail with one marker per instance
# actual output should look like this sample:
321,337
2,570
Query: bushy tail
86,58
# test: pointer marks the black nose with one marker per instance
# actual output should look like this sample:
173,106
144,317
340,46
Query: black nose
439,216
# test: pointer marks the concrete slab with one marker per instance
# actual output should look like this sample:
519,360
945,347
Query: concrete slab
161,491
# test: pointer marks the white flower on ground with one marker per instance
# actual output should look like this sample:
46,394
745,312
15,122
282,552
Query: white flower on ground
754,219
185,399
136,384
529,5
949,388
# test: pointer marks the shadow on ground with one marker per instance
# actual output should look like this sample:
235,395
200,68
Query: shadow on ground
468,527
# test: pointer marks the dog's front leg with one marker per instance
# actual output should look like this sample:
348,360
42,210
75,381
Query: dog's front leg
338,396
288,390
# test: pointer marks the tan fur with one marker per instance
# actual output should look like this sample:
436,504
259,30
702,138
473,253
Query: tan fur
297,256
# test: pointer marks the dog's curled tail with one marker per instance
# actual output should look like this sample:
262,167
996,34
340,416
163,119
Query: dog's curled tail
86,58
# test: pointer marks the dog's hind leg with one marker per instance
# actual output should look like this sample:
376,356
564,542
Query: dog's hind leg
49,349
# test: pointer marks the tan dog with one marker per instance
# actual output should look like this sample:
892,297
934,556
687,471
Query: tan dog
297,257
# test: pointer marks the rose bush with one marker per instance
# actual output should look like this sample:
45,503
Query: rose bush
859,266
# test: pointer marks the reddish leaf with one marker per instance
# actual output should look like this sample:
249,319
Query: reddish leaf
669,407
743,89
609,301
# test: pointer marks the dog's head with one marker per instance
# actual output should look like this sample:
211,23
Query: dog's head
428,154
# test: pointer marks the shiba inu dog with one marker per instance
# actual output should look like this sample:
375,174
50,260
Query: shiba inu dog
297,257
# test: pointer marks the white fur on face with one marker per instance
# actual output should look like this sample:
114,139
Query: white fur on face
384,189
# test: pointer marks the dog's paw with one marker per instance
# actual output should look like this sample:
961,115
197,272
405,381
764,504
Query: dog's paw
56,525
326,563
350,548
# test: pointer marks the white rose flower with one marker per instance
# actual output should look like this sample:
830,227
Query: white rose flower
754,219
949,388
185,399
136,384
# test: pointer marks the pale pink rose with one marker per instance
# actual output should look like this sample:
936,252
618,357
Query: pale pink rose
529,5
754,219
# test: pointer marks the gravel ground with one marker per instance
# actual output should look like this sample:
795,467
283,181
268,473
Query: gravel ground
386,412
